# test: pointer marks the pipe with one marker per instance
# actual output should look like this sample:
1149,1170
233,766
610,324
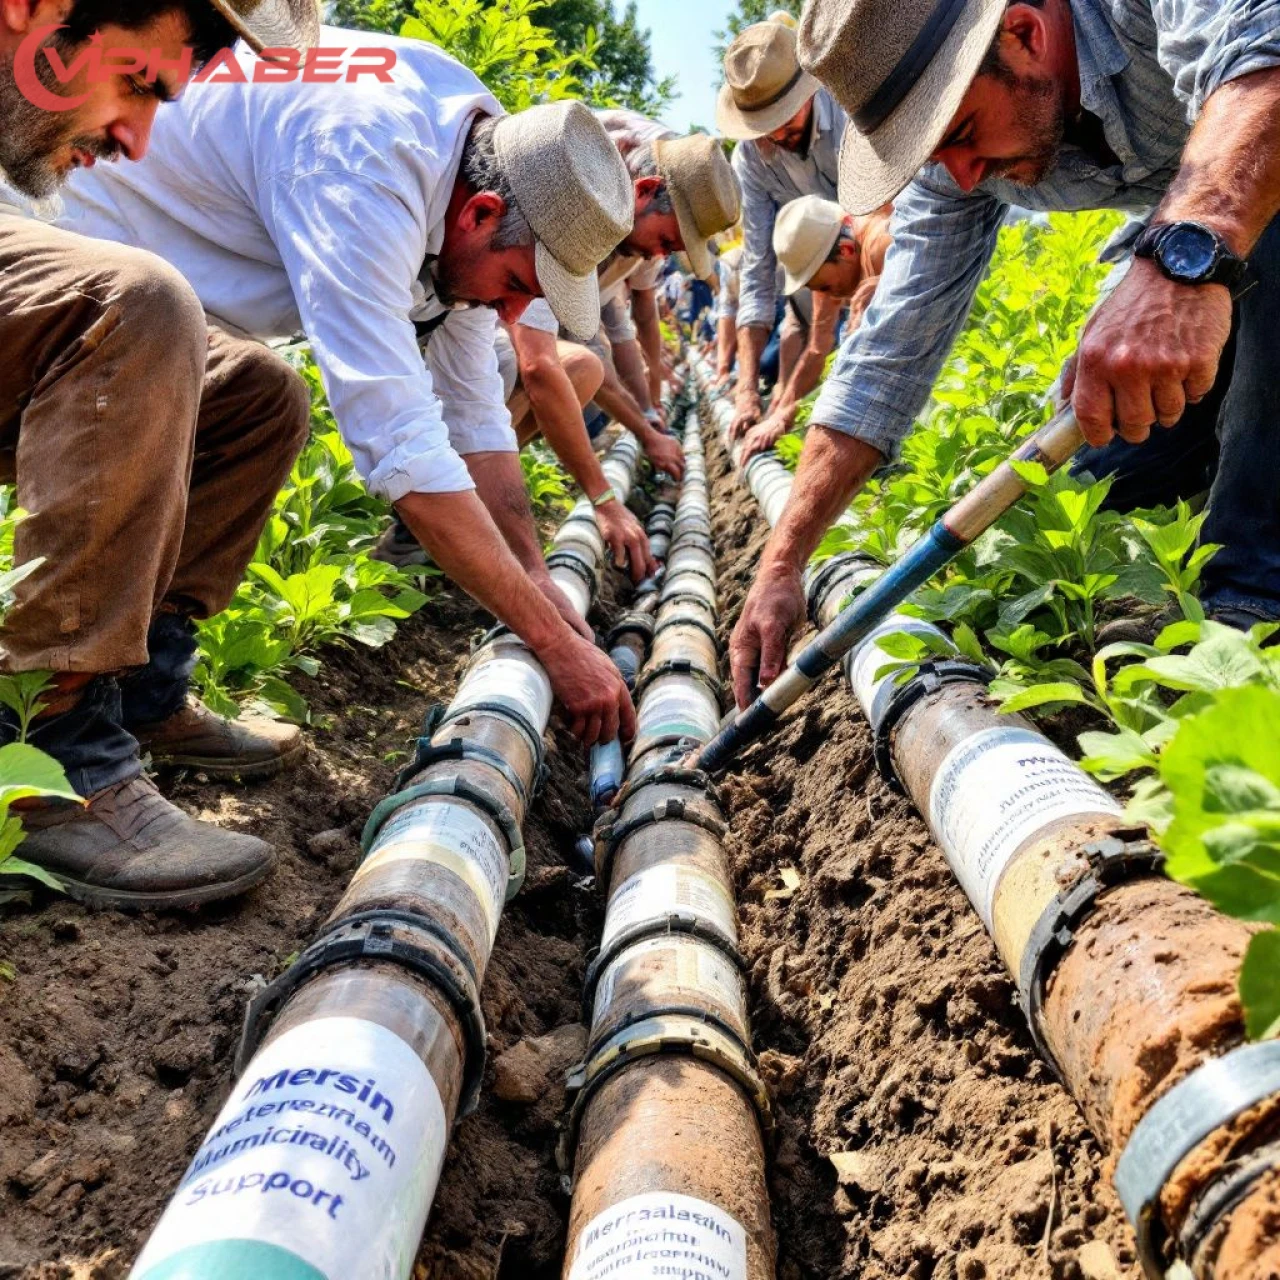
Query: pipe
324,1162
669,1175
1128,980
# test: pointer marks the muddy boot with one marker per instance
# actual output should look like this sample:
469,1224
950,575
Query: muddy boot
251,748
180,732
130,849
399,547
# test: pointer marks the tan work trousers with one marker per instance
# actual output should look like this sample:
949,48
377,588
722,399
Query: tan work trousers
146,443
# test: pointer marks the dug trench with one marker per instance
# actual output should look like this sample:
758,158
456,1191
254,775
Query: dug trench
882,1017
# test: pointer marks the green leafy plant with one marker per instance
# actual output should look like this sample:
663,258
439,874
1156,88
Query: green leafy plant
544,479
25,774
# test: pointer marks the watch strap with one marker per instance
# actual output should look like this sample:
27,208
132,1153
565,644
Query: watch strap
1228,269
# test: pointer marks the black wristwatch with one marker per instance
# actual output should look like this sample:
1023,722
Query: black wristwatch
1191,253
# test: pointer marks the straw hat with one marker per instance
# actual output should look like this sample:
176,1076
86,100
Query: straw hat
702,188
273,24
764,83
805,232
900,68
572,186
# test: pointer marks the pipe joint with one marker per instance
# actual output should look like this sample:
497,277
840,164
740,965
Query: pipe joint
929,678
830,572
461,789
568,558
427,753
610,833
637,624
423,947
1112,861
678,667
521,722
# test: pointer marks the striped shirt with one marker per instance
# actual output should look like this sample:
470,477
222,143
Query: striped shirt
770,176
1147,67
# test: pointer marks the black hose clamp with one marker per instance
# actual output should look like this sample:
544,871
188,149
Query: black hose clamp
830,570
428,753
672,774
609,833
571,560
698,624
454,787
931,675
696,569
675,924
636,624
513,717
1234,1182
581,516
688,1032
1111,861
677,667
394,937
697,538
682,597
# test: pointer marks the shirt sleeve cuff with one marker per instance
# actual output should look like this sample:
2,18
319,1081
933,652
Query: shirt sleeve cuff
406,470
840,407
494,438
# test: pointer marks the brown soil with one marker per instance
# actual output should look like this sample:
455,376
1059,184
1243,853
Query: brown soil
883,1019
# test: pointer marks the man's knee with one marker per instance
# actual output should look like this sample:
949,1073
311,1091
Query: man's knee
585,370
160,308
272,396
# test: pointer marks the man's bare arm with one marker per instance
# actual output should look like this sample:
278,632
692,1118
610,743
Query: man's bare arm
752,340
644,315
630,363
726,347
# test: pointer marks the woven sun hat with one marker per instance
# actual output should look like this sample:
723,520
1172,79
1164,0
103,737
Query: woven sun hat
273,24
805,232
572,186
703,190
900,69
764,83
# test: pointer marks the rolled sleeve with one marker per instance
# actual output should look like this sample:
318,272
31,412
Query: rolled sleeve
1203,44
758,269
352,247
464,365
884,373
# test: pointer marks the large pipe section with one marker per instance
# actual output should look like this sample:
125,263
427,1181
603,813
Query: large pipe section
669,1175
1128,980
356,1061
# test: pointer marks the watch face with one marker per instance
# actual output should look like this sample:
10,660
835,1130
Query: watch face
1188,253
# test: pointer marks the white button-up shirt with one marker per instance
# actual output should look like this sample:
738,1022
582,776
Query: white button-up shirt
314,207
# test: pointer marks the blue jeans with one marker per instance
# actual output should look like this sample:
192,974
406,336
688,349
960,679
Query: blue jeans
1228,443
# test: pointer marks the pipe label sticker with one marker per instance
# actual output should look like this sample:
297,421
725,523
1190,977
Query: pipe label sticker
656,1235
657,892
996,790
330,1147
516,682
867,658
686,963
452,836
678,704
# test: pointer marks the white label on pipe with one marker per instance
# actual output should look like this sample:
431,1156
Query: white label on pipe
329,1147
684,708
698,967
655,892
661,1234
873,695
511,682
996,790
454,837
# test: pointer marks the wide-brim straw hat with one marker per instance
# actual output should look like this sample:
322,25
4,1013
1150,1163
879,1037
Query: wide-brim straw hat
900,69
273,24
574,189
804,233
703,191
764,83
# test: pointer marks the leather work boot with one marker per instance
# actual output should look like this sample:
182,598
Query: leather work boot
130,849
194,737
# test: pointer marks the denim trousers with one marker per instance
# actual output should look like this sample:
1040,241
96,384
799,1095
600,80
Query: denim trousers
1228,444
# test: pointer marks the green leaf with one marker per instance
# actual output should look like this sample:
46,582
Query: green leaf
1260,986
1112,755
20,867
1040,695
1032,474
26,772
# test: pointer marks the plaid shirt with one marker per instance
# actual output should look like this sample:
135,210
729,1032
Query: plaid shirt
1147,67
771,177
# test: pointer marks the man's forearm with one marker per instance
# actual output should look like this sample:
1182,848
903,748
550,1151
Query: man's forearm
644,315
727,345
805,376
555,408
621,405
499,483
1229,178
629,361
752,340
833,467
463,539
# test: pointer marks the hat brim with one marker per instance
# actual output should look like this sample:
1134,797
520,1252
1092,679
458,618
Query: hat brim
794,283
743,126
875,167
574,300
695,244
273,24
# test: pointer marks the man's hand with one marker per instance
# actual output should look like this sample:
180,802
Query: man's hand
1150,350
625,537
665,453
764,435
563,606
748,412
595,700
758,650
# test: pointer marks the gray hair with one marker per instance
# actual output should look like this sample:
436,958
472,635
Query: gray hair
483,172
642,163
